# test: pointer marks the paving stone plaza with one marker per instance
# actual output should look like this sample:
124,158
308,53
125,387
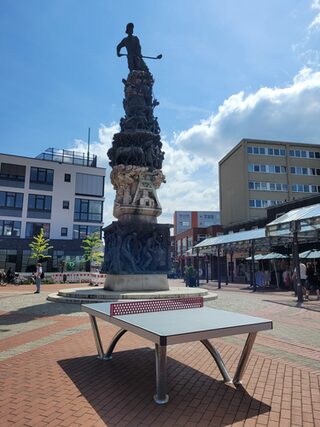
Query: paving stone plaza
50,375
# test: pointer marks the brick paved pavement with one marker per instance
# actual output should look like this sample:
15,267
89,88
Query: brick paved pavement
50,376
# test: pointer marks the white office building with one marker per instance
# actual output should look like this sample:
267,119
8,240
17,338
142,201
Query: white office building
185,220
60,191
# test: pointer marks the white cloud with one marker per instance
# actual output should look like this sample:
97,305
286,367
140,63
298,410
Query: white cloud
290,113
307,49
191,157
315,24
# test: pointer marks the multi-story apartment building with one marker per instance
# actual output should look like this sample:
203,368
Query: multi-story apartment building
257,174
184,220
60,191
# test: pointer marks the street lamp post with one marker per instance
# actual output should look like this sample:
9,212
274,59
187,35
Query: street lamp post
219,268
295,252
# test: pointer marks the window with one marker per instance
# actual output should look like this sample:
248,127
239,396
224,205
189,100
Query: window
306,188
267,186
304,154
64,231
65,204
267,151
11,200
34,228
88,210
67,177
266,168
304,171
82,231
12,172
41,176
89,185
10,228
263,203
39,202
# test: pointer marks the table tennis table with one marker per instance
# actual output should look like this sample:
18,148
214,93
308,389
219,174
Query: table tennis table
175,321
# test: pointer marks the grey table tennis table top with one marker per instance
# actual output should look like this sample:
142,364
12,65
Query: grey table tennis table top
178,326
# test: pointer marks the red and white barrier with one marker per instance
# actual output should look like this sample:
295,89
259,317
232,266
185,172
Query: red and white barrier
77,277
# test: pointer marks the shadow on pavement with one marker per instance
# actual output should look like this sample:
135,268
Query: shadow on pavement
32,312
308,305
121,390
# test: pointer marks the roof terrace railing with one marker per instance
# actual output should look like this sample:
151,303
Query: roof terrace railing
68,156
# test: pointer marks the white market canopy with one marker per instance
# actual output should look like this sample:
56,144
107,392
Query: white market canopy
311,254
257,257
306,220
243,238
272,255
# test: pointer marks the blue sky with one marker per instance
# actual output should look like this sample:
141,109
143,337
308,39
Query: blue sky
230,70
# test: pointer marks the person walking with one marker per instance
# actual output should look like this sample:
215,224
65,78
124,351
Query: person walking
303,277
38,277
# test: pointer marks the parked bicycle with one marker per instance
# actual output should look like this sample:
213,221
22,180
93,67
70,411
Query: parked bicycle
11,278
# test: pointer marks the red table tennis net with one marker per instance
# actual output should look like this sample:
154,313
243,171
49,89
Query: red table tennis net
149,306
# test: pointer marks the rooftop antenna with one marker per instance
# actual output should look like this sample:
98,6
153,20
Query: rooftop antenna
88,153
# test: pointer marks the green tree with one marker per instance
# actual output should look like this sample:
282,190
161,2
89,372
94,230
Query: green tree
40,246
93,249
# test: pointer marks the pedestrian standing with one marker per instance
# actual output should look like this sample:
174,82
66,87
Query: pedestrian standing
38,278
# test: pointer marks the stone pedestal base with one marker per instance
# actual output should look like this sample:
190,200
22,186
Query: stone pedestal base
136,282
136,248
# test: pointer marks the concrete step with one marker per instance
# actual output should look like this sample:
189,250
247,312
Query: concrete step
91,295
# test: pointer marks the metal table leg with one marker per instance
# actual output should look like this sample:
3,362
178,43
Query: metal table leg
218,359
114,341
161,396
97,337
244,358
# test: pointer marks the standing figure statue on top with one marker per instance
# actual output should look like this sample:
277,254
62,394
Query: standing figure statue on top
134,55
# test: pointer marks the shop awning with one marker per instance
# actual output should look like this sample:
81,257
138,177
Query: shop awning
270,256
306,220
311,254
232,240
